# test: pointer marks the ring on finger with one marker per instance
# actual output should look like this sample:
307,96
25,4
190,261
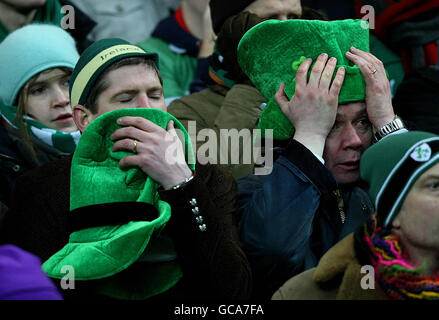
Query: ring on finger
135,146
372,69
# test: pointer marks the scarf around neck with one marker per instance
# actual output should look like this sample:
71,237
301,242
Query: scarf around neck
64,142
395,274
218,71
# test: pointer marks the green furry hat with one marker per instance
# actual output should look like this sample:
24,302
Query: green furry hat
115,213
272,51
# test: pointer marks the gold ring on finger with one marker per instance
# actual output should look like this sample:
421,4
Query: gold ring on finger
135,146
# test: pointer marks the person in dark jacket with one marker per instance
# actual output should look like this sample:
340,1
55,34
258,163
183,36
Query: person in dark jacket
312,197
202,241
395,254
36,118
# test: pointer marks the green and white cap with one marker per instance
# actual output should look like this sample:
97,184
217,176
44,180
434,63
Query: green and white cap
393,165
95,59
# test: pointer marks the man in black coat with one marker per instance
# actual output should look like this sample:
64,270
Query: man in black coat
202,225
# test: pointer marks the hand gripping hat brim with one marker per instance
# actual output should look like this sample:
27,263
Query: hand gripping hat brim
113,212
272,51
95,59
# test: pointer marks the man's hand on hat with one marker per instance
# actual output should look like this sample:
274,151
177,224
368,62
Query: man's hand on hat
378,93
313,108
159,152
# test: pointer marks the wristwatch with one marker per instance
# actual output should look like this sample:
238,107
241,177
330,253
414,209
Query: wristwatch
179,185
395,125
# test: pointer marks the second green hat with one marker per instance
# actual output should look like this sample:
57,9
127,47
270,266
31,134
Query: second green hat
272,51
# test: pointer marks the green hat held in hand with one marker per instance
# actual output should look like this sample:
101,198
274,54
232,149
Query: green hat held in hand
114,212
271,52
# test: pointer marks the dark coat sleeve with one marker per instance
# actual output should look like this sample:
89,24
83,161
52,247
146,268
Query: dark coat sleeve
213,258
37,217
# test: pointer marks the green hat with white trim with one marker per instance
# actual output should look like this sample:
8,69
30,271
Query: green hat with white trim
95,59
393,165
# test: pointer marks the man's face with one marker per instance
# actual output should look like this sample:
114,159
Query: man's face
132,86
346,142
276,9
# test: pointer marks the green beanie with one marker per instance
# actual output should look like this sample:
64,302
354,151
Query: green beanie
114,213
95,59
272,51
393,165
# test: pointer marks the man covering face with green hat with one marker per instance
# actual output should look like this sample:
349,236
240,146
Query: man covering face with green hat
134,216
326,94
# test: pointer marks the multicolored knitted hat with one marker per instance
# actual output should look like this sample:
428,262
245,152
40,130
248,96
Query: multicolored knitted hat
115,213
272,51
95,59
393,165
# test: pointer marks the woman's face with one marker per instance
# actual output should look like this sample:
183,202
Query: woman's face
48,100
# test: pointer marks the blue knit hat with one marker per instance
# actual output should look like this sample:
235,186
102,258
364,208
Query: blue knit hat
30,50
